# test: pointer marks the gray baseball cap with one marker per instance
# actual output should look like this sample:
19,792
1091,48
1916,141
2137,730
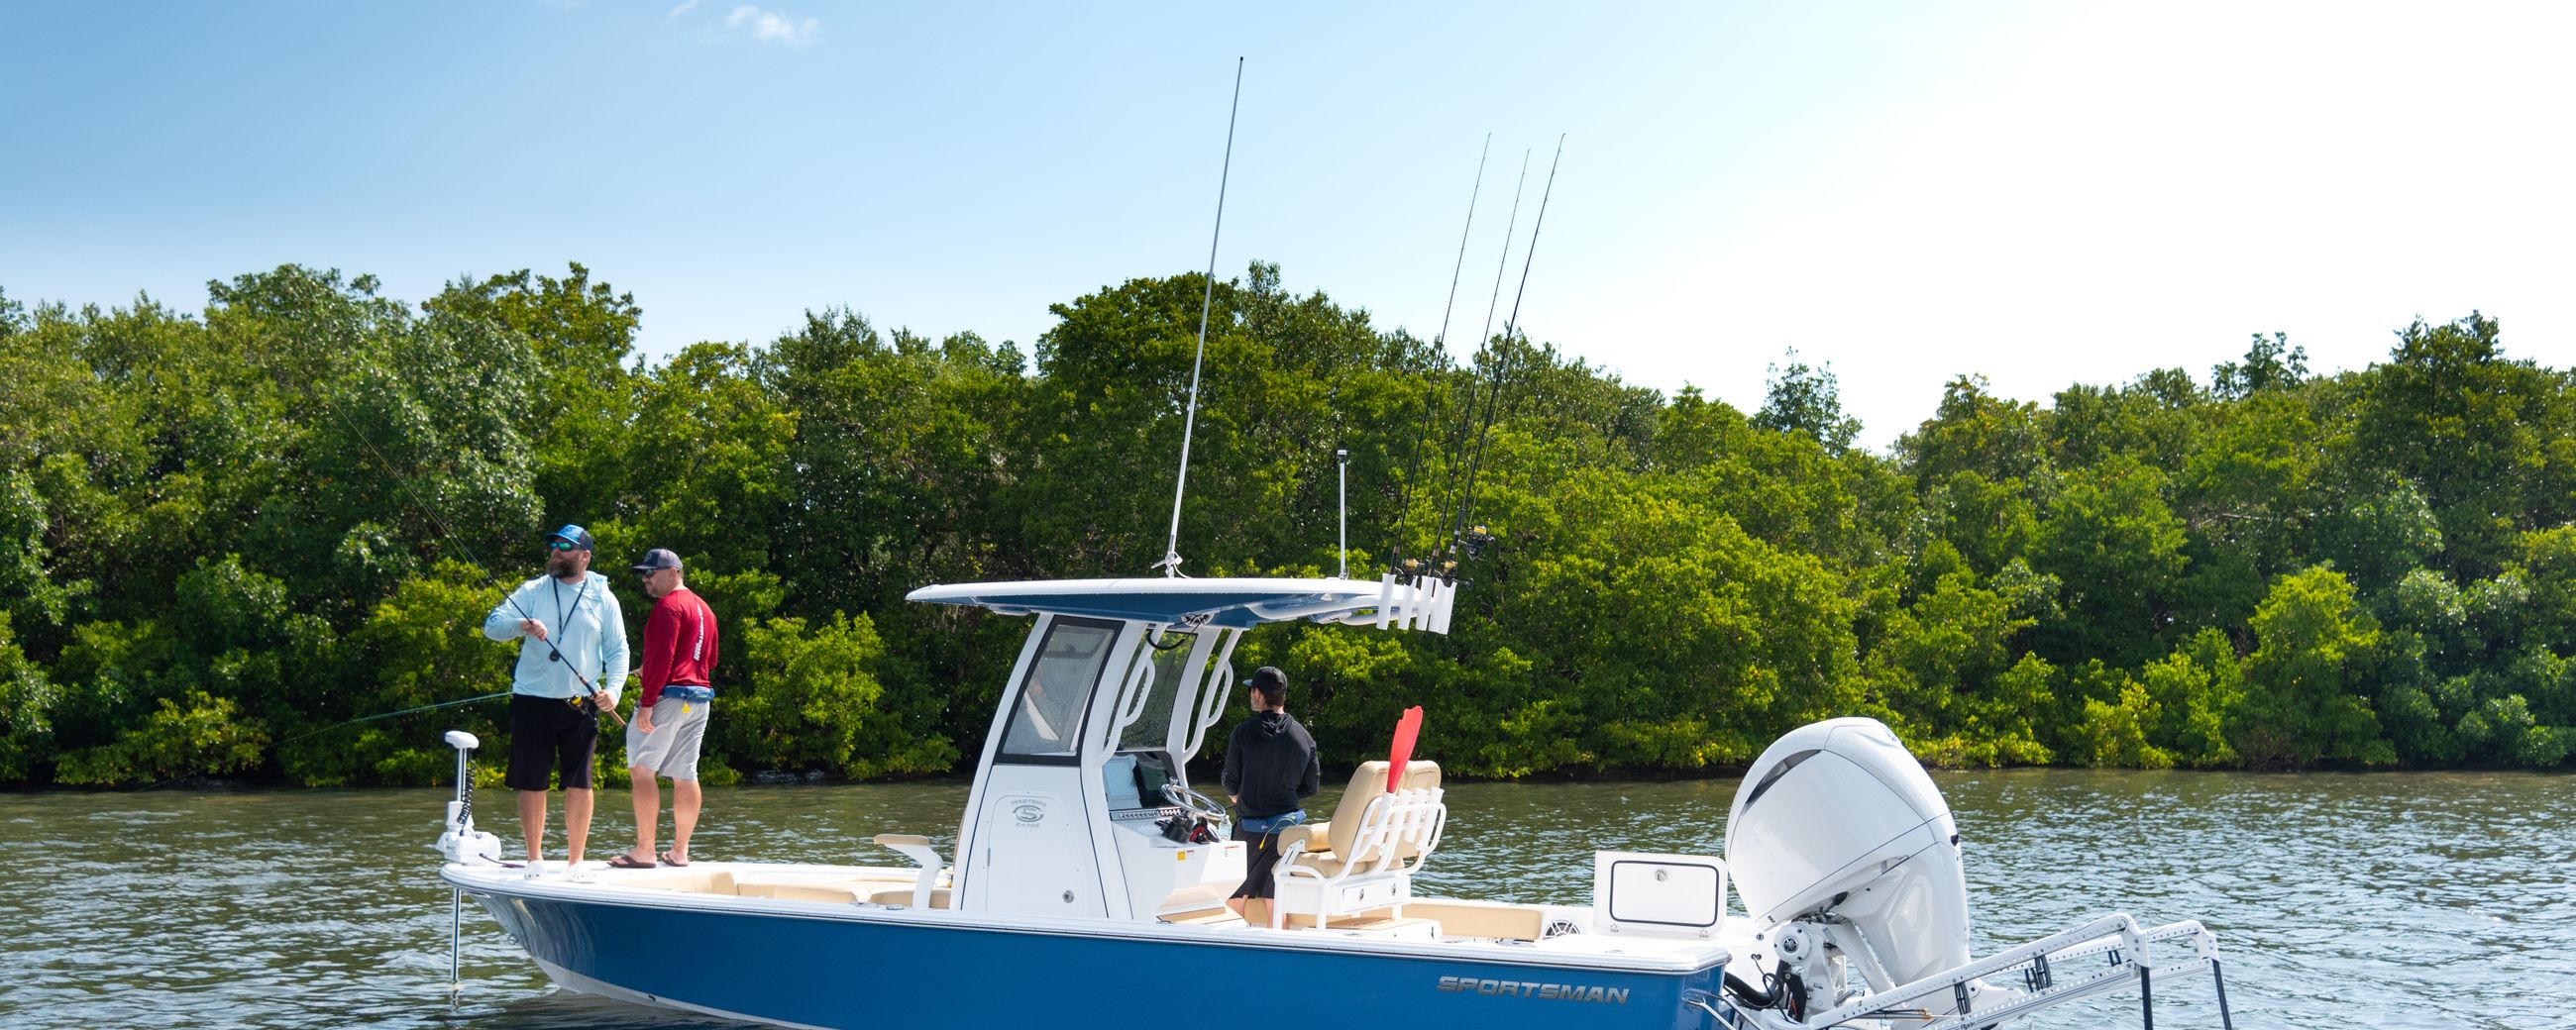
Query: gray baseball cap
656,559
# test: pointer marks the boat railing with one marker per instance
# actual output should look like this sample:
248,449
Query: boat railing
2106,954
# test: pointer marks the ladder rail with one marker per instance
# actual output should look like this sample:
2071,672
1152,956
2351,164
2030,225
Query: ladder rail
2054,972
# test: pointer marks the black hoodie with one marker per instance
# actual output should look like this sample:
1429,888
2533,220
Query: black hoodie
1270,766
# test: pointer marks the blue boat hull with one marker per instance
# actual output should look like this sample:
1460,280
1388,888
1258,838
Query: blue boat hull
860,972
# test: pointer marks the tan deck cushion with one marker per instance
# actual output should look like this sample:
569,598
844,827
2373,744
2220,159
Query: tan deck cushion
1218,916
840,891
800,891
697,881
1482,918
903,896
1379,920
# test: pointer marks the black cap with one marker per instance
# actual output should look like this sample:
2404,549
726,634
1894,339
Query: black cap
656,559
1268,680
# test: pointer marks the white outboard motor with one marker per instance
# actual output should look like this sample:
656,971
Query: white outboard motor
1838,831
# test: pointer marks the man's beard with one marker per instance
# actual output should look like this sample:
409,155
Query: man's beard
559,567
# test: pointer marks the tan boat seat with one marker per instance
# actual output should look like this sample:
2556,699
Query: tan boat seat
1368,850
1367,781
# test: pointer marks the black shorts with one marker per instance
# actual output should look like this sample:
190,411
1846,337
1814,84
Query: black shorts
1260,864
550,738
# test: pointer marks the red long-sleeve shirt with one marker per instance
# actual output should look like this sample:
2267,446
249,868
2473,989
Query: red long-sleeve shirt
679,644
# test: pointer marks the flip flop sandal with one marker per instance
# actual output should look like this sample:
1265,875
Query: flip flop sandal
628,862
669,861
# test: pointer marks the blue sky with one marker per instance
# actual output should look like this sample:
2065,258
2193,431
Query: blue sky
2041,193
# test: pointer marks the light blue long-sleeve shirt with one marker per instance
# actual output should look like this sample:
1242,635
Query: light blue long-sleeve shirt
583,621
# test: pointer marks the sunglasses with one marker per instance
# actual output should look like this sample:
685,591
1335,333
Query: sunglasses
563,545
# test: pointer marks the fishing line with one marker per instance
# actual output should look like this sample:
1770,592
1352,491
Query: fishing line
554,653
325,730
1511,328
440,526
1467,411
389,715
1431,396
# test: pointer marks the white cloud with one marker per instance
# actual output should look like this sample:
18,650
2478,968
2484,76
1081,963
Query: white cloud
769,27
682,9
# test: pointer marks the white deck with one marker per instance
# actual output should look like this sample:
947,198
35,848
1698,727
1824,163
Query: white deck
691,888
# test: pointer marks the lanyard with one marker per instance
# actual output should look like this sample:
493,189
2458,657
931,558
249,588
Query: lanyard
561,622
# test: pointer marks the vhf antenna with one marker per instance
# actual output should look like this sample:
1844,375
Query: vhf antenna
1171,563
1342,502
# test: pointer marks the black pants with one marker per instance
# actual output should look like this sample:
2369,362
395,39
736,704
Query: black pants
550,737
1260,865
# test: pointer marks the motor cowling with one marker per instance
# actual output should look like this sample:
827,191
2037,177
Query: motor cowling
1836,820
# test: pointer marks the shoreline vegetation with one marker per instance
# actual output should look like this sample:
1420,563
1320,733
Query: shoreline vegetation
225,533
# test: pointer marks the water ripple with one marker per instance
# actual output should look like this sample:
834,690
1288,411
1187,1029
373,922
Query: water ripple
2339,899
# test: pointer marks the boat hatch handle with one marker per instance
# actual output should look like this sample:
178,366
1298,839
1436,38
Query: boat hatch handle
916,847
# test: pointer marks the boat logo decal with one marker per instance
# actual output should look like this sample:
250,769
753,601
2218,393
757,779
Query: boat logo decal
1530,989
1029,812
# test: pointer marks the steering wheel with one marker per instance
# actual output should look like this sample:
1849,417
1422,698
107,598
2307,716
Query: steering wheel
1194,803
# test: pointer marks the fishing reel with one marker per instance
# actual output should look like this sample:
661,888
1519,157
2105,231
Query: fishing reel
1412,571
1475,542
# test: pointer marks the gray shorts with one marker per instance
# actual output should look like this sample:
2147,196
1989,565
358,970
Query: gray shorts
671,750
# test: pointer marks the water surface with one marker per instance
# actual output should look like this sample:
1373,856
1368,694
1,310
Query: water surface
2340,900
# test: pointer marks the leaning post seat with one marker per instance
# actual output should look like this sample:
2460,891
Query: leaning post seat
1365,856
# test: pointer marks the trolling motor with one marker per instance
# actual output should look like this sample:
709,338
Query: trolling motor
462,842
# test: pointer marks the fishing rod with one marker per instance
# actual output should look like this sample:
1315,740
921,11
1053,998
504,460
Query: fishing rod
1511,328
1430,417
1171,563
1484,338
553,652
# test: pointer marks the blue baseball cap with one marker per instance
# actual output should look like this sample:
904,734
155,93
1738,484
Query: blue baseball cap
575,535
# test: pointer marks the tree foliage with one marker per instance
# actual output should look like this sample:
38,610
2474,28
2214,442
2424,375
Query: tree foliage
225,535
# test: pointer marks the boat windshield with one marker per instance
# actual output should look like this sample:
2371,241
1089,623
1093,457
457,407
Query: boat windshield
1047,716
1173,674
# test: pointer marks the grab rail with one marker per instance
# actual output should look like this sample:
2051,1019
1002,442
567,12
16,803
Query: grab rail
2052,969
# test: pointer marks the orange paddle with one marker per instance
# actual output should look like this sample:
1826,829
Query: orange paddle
1407,727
